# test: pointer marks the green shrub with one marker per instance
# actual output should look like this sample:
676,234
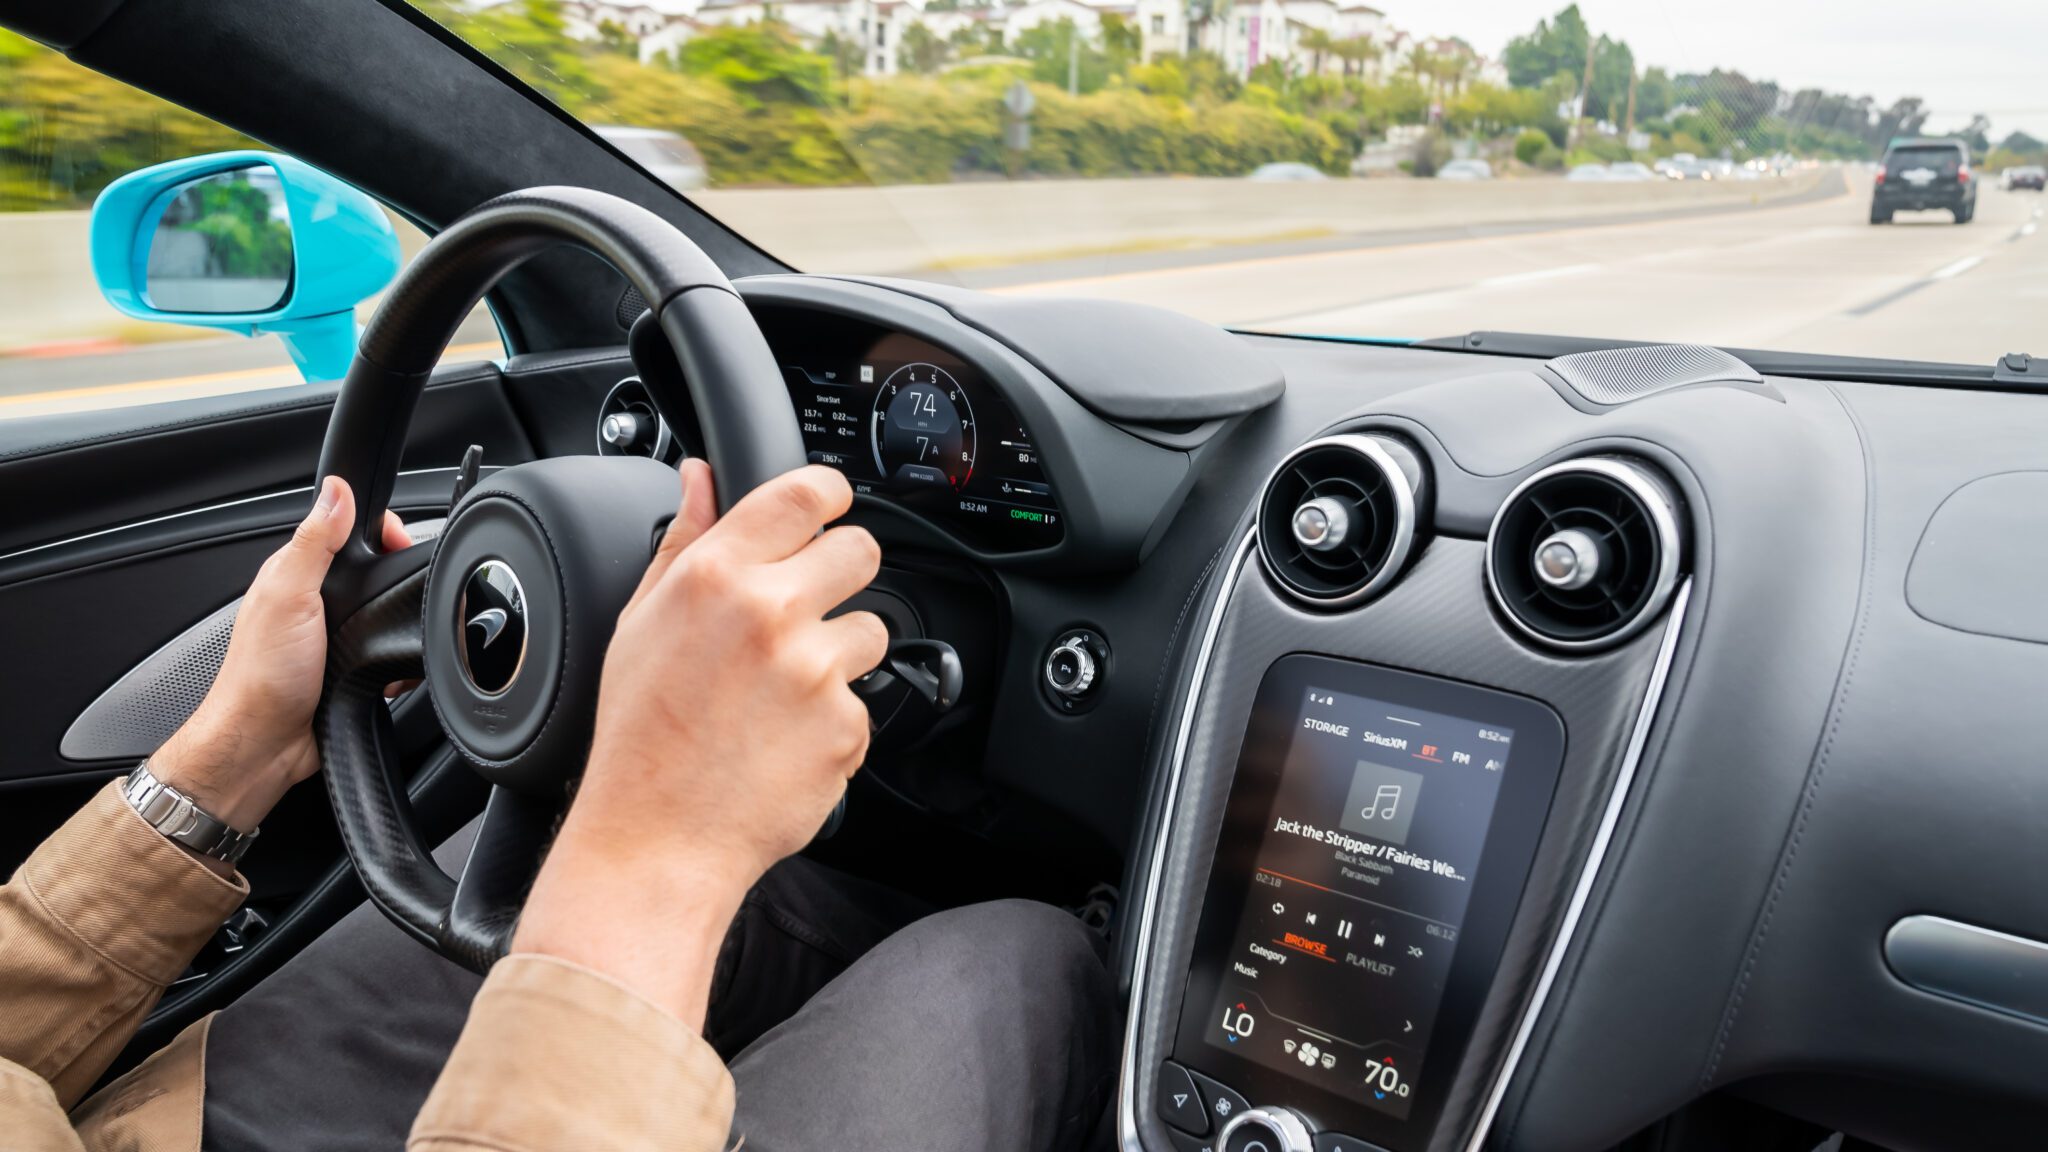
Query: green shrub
1530,144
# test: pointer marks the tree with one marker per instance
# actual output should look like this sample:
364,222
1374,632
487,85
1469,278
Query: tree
1977,134
1357,50
1318,43
1056,47
1904,118
1653,94
974,40
612,36
1557,45
845,53
921,52
1122,43
762,63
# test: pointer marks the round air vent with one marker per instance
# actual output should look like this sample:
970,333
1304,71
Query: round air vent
628,425
1338,517
1585,553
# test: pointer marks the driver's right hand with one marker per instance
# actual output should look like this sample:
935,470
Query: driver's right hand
726,732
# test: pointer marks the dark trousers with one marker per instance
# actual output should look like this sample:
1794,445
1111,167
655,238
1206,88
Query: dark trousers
849,1023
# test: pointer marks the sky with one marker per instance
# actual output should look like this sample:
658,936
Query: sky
1960,56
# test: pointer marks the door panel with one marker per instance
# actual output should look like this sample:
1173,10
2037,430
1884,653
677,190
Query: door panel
120,530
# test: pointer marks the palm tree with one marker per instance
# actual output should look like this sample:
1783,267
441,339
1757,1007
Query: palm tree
1422,64
1359,50
1318,43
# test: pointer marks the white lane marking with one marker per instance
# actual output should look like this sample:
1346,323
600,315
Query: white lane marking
1539,274
1957,268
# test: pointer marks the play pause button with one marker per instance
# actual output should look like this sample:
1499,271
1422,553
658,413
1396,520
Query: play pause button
1344,929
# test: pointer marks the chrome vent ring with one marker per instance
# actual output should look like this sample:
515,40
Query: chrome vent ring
628,425
1583,554
1338,518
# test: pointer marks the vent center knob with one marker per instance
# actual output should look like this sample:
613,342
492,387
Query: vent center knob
1568,559
622,430
1322,524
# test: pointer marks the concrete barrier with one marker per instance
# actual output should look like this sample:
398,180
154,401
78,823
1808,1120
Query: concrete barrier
47,292
925,228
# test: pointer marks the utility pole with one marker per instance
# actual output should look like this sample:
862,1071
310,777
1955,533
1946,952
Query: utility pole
1074,62
1585,92
1629,127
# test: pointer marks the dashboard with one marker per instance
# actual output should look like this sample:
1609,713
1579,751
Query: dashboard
1500,757
914,424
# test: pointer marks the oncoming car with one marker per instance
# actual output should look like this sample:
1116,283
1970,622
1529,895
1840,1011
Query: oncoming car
1246,605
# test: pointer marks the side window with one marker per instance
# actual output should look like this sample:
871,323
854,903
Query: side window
66,133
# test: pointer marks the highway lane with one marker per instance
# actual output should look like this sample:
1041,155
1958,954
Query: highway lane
1810,276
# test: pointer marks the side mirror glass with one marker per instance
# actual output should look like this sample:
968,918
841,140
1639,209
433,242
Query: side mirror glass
250,242
222,243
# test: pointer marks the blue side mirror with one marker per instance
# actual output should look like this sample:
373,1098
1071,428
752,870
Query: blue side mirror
250,242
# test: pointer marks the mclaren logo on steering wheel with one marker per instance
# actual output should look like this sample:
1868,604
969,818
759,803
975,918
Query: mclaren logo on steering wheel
492,615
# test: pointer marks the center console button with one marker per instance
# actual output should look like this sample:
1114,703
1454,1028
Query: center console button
1179,1104
1182,1142
1224,1103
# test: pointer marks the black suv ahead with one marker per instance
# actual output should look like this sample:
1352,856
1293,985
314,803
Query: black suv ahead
1924,174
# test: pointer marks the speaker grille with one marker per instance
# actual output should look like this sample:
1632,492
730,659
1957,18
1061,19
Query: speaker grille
1619,375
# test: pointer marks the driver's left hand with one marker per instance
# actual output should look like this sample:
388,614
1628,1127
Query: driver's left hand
252,737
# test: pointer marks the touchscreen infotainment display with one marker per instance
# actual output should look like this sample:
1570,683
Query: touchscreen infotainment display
1378,834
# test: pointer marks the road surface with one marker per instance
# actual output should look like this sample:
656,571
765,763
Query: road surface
1811,275
1808,277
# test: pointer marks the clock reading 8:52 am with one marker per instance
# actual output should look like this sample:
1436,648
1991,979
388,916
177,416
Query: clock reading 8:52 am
923,430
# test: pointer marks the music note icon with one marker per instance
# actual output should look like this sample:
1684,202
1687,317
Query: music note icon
1385,802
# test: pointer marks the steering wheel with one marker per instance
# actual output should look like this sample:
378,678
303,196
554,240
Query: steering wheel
507,614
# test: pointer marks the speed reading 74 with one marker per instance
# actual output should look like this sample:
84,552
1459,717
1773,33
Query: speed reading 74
923,429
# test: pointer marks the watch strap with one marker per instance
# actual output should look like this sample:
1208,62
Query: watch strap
181,820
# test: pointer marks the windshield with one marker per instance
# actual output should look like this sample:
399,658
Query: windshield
1393,170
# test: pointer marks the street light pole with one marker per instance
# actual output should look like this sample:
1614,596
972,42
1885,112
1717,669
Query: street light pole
1585,93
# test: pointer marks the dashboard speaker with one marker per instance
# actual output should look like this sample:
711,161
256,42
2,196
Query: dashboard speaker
1585,553
1611,376
1338,517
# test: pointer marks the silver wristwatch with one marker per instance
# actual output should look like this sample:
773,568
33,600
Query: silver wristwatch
173,813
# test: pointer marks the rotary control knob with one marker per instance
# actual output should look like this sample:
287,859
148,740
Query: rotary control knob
1070,670
1265,1130
1076,666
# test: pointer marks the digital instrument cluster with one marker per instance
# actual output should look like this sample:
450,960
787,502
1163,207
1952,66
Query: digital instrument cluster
912,423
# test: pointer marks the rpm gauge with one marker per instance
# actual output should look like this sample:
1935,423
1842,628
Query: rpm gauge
923,430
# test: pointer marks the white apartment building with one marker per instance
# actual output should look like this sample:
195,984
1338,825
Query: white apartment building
1243,33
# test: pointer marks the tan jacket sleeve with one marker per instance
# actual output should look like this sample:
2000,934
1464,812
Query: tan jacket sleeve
93,927
557,1057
